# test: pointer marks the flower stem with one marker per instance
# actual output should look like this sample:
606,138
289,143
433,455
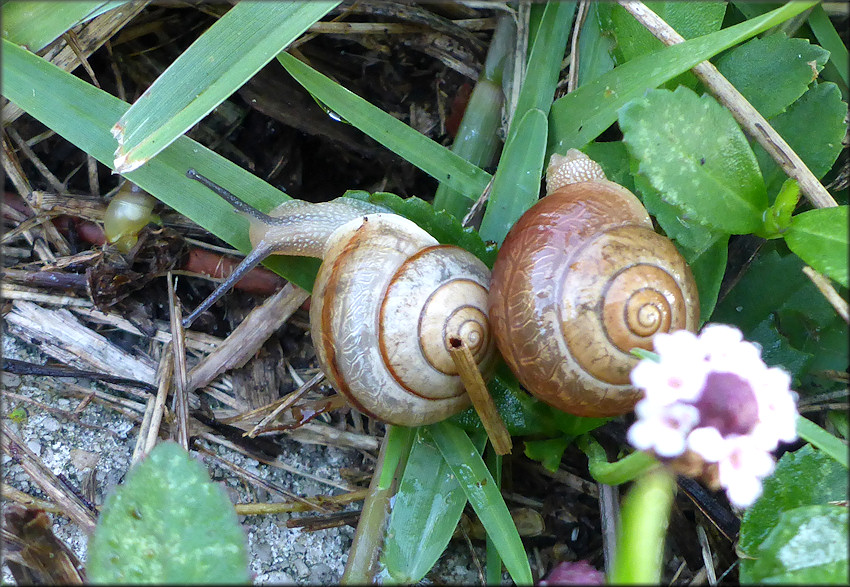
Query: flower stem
645,516
626,469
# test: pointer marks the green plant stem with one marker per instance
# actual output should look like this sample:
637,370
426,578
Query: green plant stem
820,438
477,137
644,519
626,469
369,536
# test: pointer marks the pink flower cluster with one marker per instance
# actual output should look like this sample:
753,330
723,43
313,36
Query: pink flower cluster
712,406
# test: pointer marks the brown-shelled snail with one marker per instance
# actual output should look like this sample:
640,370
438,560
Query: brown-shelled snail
387,301
580,280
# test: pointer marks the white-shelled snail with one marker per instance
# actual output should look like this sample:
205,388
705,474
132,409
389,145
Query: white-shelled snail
579,281
386,302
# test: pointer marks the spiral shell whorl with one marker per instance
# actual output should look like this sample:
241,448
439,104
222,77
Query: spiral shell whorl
580,280
365,318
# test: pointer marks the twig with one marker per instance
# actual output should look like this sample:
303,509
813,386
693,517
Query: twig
247,338
261,509
747,116
483,402
825,287
707,558
285,403
609,513
581,16
259,482
55,488
165,375
180,403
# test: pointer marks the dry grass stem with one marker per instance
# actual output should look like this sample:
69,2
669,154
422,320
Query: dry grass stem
180,403
483,402
748,117
261,509
825,287
57,490
249,336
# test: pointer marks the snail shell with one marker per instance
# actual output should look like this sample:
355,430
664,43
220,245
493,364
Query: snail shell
580,280
127,213
387,301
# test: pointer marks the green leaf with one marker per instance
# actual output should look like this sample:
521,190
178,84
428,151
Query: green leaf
802,478
692,151
807,546
426,510
516,185
708,267
37,24
168,523
438,223
548,452
819,237
595,46
83,115
777,351
484,496
775,284
786,66
823,440
690,20
429,156
581,116
818,145
227,55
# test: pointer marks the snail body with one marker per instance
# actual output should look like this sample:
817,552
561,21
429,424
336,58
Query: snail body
580,280
387,301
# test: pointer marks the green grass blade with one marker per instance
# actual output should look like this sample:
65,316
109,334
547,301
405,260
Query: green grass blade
429,156
516,185
83,115
425,514
37,24
216,65
484,496
829,39
544,61
581,116
817,436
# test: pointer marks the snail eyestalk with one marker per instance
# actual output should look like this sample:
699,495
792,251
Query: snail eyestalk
231,199
254,258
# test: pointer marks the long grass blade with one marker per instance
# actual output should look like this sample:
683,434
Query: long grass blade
429,156
215,66
37,24
485,497
581,116
83,115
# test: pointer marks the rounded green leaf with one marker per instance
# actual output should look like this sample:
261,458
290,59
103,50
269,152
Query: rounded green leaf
819,237
168,523
807,546
692,151
786,66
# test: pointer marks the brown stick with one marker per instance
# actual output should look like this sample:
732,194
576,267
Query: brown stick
483,402
747,116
